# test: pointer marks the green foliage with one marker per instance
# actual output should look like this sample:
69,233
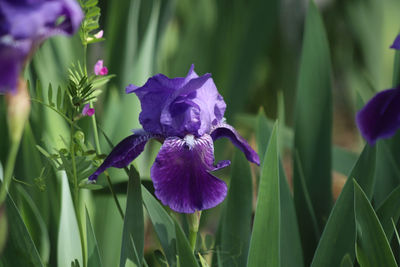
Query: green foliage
133,222
257,52
312,143
267,216
372,246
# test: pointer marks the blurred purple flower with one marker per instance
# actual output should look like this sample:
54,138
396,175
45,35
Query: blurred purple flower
87,110
186,115
396,43
99,69
24,24
380,117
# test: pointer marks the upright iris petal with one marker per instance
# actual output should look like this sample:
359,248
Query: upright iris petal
24,24
186,114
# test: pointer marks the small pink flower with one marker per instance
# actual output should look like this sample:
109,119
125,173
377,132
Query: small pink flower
87,110
99,69
99,34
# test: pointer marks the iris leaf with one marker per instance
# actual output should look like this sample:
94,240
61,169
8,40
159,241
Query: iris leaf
267,217
185,255
236,223
389,210
133,222
339,234
372,246
20,249
163,225
313,129
94,259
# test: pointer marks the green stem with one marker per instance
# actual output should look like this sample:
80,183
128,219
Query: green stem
193,221
95,132
76,196
97,142
9,168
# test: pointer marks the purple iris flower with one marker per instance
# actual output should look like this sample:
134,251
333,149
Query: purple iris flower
186,114
396,43
380,117
24,24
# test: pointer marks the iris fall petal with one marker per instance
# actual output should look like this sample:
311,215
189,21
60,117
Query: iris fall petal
181,175
380,117
124,153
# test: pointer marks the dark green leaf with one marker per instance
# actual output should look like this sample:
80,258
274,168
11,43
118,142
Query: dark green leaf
372,247
236,225
313,127
267,217
185,255
339,235
163,225
20,249
388,210
93,253
346,261
133,222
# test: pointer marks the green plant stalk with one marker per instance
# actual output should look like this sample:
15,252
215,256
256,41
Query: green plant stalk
194,222
96,138
76,196
9,168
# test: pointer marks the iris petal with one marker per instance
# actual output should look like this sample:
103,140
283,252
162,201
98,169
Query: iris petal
226,130
396,43
181,175
380,117
124,153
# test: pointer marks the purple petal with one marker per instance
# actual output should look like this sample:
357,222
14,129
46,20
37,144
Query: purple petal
12,58
181,174
36,20
124,153
87,110
396,43
380,117
225,130
24,24
179,106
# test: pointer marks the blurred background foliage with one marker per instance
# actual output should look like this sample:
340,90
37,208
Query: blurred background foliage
253,50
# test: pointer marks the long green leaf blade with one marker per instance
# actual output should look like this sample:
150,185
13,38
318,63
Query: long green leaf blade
133,222
236,225
339,234
20,249
267,216
94,259
313,130
372,247
185,254
163,225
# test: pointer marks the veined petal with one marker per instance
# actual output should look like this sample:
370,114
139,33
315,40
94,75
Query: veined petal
124,153
181,174
226,130
380,117
396,43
